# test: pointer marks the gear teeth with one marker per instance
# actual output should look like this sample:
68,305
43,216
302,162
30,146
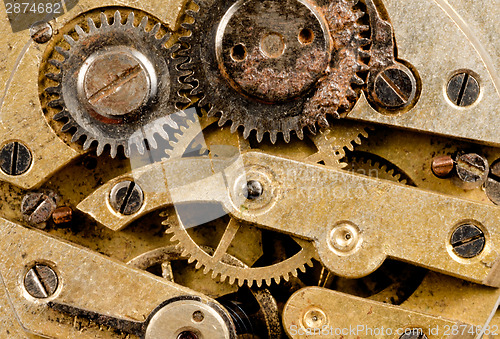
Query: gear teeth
81,33
312,129
141,148
114,151
234,126
130,19
358,15
364,54
260,136
323,122
100,148
61,115
88,143
104,20
286,136
363,28
69,40
53,90
300,133
56,103
362,67
357,80
155,29
54,77
56,63
67,126
197,265
78,134
117,18
364,41
273,137
231,280
92,26
144,23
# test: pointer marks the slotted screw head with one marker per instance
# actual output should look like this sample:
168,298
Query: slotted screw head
41,32
472,171
37,208
493,183
463,89
468,241
41,281
395,87
126,197
15,158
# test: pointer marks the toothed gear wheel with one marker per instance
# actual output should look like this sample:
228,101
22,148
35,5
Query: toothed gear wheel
233,271
118,84
276,66
375,166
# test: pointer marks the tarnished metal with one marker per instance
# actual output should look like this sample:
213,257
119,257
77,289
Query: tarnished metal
41,281
442,166
349,193
15,158
62,215
126,197
312,309
471,171
119,95
349,220
468,241
303,60
463,89
37,208
493,183
41,32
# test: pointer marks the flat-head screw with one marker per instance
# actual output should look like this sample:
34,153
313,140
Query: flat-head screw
468,241
37,208
463,89
395,87
15,158
116,84
41,281
126,197
471,171
493,183
41,32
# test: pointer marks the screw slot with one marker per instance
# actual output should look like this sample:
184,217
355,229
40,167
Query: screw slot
15,158
239,53
468,241
463,89
41,281
126,197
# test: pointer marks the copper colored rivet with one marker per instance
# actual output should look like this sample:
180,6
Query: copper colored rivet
442,166
62,215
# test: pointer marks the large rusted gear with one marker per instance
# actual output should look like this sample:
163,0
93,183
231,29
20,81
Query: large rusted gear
276,67
118,84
